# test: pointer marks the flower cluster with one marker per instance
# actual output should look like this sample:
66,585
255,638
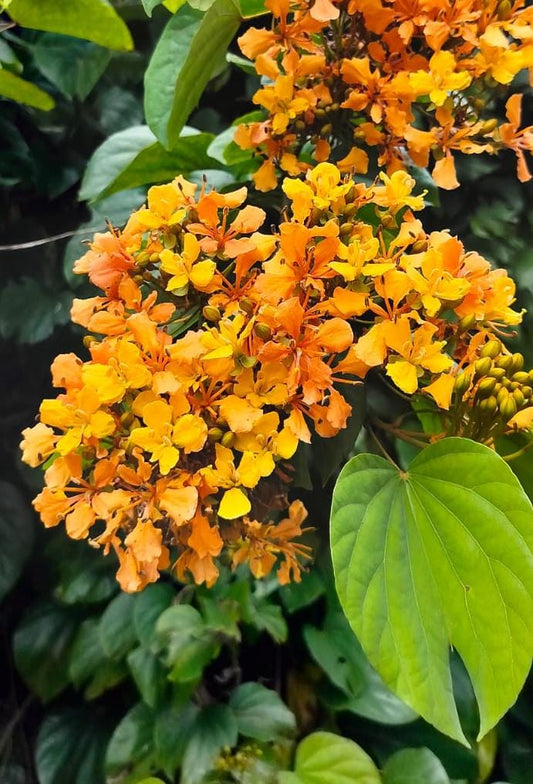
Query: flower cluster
401,81
216,349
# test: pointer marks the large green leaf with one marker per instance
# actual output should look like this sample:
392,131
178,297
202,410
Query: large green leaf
131,158
414,766
215,727
116,629
17,89
29,312
440,556
325,758
94,20
16,534
185,58
261,713
131,741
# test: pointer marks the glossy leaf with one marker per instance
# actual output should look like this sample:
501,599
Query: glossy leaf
20,90
131,158
438,556
94,20
116,629
172,733
214,727
72,65
261,713
149,605
414,766
132,739
186,57
325,758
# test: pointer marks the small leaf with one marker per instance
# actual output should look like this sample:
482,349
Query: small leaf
131,158
41,646
94,20
414,766
438,556
261,713
214,728
17,89
325,758
189,645
117,632
185,58
17,528
72,65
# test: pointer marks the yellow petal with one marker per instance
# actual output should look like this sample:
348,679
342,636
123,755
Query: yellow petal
404,375
234,504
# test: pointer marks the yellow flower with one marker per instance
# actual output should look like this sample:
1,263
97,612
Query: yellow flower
395,193
185,268
441,79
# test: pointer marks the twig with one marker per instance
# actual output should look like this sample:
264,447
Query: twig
47,240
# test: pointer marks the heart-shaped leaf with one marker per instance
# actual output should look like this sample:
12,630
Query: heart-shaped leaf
436,557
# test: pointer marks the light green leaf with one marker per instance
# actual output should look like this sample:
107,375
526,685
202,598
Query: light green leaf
72,65
8,57
251,8
131,158
94,20
170,5
414,766
261,713
215,727
185,58
17,527
17,89
325,758
116,629
438,556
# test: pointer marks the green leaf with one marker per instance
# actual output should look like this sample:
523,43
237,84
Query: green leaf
94,20
414,766
214,728
9,58
339,654
131,158
325,758
261,713
251,8
41,645
132,739
148,674
269,618
17,89
117,632
16,535
86,654
29,313
438,556
71,746
295,596
171,5
189,644
185,58
149,605
172,732
72,65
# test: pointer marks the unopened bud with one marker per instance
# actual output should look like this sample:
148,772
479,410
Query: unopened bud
419,246
462,383
154,257
211,313
504,10
508,408
345,229
491,349
505,361
497,372
262,331
519,397
488,406
486,387
326,129
527,392
518,362
142,258
521,377
215,433
488,126
467,322
169,241
482,366
246,362
127,419
228,439
247,305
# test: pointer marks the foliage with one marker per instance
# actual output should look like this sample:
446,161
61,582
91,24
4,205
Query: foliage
248,680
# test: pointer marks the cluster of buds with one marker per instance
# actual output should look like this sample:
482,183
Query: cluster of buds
400,82
493,395
216,349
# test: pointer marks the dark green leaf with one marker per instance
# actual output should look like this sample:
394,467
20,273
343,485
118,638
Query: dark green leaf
261,713
29,313
214,728
71,746
172,732
86,654
16,535
117,632
132,739
295,596
149,605
95,20
189,645
41,646
148,674
435,557
72,65
186,57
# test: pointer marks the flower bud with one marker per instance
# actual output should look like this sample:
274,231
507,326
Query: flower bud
518,362
508,408
486,387
519,397
483,366
505,361
527,392
211,313
462,382
247,305
488,406
228,439
419,246
215,433
467,322
491,349
262,331
521,377
497,372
